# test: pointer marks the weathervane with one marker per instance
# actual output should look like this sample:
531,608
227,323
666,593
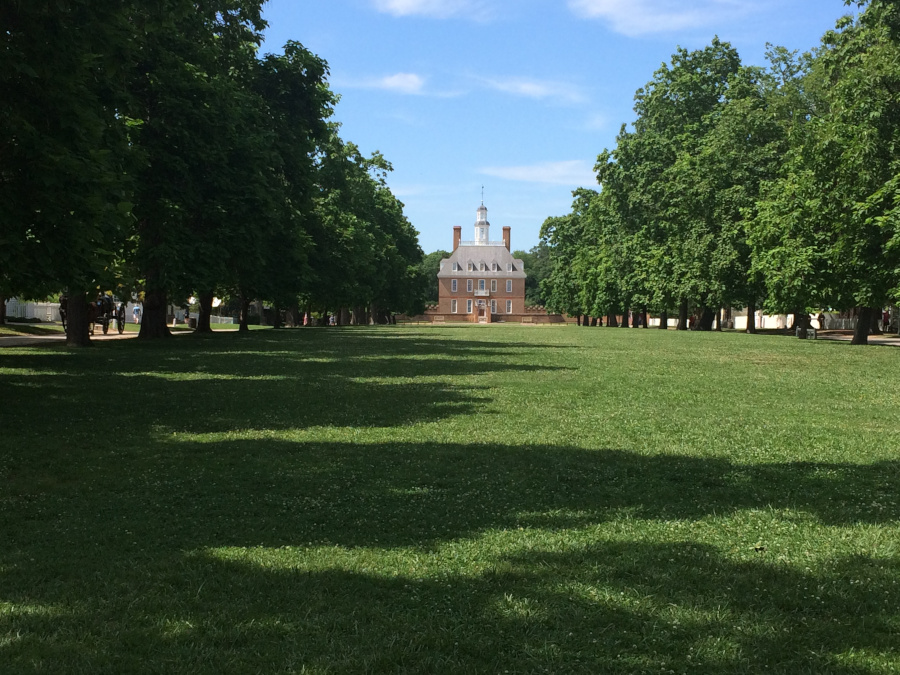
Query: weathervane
482,195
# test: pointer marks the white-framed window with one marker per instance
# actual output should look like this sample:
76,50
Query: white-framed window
493,285
509,267
509,306
468,285
481,285
471,267
453,285
481,267
509,285
468,306
453,306
457,267
493,306
495,267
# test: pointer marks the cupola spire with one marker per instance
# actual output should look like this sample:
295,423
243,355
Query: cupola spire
482,226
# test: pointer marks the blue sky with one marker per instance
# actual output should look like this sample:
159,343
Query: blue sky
519,96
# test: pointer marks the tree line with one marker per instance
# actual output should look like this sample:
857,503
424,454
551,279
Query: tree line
740,186
148,147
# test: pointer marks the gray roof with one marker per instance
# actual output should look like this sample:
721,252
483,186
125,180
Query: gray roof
482,254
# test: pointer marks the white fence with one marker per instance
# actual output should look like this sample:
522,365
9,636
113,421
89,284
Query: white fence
45,311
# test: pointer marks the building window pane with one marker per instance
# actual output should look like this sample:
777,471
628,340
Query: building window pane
453,285
468,306
469,285
509,306
481,284
453,306
493,285
493,306
509,286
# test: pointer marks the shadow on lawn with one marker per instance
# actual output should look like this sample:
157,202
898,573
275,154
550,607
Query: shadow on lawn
338,379
272,556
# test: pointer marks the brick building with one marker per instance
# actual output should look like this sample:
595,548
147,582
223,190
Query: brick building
481,281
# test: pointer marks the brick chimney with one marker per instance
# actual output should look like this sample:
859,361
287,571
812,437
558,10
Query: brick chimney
506,237
457,235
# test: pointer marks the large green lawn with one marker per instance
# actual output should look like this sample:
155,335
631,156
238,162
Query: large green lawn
451,500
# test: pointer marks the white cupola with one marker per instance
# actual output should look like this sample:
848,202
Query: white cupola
482,226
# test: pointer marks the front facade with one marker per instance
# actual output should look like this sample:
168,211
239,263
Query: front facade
481,282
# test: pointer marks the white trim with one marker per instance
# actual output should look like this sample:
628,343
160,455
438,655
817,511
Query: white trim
493,285
468,285
509,285
453,306
493,306
509,306
453,285
468,306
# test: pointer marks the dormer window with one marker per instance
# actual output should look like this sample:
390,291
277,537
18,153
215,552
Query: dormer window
456,267
495,267
471,267
509,267
481,267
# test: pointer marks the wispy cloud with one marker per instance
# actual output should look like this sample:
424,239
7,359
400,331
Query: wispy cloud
575,173
640,17
437,9
400,83
537,89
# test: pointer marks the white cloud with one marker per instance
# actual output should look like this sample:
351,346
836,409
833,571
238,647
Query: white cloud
537,89
574,173
438,9
639,17
403,83
400,83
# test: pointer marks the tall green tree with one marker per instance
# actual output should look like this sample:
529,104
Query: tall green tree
65,195
827,228
429,268
187,52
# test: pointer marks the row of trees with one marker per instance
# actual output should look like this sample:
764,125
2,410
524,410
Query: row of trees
147,147
747,187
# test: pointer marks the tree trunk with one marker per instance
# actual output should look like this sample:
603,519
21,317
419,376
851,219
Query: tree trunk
612,321
586,321
578,318
625,323
153,321
801,321
204,324
77,321
706,319
3,309
719,320
344,316
245,315
683,315
664,320
593,322
863,325
645,318
876,321
751,318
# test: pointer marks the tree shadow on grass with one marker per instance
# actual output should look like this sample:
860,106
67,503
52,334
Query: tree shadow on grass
252,556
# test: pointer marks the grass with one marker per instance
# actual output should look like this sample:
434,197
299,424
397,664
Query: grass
451,500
